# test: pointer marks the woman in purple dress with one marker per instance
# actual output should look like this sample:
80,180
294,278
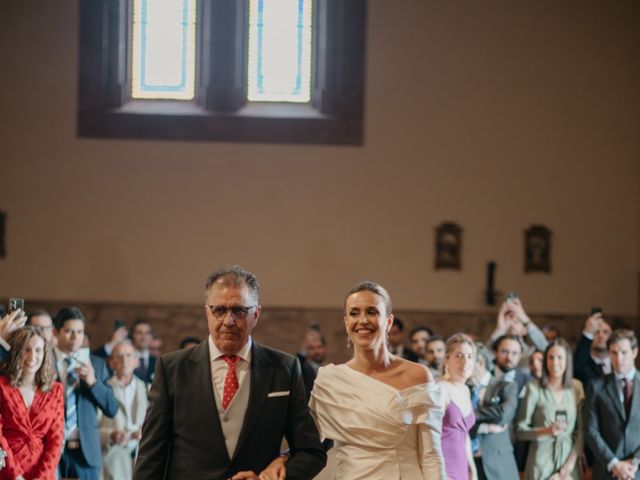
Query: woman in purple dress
459,362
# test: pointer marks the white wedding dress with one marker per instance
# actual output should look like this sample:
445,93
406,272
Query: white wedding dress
379,432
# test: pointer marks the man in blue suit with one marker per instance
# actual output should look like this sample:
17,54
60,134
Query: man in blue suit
86,389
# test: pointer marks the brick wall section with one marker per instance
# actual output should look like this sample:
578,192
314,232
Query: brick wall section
283,328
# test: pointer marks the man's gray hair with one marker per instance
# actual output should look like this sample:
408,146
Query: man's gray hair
233,275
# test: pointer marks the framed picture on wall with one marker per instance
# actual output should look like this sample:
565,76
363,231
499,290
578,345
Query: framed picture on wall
537,249
448,246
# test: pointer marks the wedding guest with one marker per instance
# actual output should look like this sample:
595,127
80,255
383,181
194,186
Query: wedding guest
31,409
459,417
549,417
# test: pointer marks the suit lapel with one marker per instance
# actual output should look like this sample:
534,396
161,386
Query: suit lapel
612,390
202,388
635,399
262,373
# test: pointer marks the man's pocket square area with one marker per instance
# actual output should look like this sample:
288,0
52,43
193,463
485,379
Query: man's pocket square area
284,393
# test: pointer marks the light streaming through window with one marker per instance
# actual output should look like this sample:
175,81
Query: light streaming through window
163,57
279,68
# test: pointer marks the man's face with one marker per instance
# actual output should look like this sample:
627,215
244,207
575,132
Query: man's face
434,353
155,348
124,360
142,336
46,325
70,336
316,351
601,337
419,342
229,331
395,337
508,354
623,357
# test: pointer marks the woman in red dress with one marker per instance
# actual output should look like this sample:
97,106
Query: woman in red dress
31,409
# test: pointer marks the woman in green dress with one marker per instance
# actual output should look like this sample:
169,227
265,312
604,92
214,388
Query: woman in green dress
549,417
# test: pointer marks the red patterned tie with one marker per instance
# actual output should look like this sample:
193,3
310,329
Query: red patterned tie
230,381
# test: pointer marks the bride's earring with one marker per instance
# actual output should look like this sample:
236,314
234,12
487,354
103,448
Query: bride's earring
348,342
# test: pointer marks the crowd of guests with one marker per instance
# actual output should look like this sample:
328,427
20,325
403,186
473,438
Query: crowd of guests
522,404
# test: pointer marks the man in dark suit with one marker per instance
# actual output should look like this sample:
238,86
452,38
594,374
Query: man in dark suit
591,358
395,338
221,410
611,413
86,389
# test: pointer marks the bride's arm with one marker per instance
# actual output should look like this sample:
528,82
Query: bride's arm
429,435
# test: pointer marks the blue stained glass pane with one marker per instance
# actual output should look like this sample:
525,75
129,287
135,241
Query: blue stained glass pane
163,49
280,38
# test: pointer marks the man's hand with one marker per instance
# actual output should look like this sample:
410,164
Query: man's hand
593,323
12,322
245,476
502,323
516,307
86,373
276,469
117,336
624,470
494,428
119,437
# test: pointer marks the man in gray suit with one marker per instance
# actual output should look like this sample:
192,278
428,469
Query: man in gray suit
221,410
496,410
612,413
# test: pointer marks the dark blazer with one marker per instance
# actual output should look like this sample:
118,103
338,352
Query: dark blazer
499,406
607,432
146,375
182,436
88,399
3,353
584,368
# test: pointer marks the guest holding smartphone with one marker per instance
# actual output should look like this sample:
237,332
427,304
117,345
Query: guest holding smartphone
31,409
549,417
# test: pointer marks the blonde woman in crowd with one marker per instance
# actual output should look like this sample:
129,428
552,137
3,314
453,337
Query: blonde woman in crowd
459,417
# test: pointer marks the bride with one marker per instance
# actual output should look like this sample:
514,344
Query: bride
382,412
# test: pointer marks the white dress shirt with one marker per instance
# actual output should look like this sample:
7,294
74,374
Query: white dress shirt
220,368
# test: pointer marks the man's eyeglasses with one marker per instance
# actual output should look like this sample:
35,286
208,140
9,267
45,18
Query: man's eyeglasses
238,312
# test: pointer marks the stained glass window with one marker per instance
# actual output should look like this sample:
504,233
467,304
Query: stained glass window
163,57
279,64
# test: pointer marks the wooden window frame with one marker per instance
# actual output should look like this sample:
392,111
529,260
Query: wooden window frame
220,111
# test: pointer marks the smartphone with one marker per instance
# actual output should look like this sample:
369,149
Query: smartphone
119,324
83,355
595,310
561,417
511,296
16,304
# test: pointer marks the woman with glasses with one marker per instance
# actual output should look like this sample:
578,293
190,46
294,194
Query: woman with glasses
381,411
31,409
549,417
